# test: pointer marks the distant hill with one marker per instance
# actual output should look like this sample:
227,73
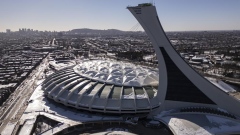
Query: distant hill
101,32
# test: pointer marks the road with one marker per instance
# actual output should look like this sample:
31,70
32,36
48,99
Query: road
16,107
96,46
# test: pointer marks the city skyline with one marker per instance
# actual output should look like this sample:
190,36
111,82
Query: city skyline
67,15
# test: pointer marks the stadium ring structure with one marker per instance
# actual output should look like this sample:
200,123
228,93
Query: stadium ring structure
105,86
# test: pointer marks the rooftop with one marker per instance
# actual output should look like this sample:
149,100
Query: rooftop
145,4
118,73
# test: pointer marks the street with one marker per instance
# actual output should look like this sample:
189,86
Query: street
14,110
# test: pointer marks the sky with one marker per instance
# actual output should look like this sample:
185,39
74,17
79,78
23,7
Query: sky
64,15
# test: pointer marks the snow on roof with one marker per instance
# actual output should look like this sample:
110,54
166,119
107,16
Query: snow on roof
119,73
220,84
45,107
192,124
2,86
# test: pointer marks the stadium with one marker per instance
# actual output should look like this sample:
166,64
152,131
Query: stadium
105,86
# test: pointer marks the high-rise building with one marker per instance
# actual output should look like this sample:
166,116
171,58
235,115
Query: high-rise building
8,31
189,103
179,84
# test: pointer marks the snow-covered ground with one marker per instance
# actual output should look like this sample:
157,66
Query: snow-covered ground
8,129
27,127
200,124
55,129
41,104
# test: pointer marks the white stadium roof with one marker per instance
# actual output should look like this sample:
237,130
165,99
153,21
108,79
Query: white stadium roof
118,73
105,86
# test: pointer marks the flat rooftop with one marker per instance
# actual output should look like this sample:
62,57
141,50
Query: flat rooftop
207,124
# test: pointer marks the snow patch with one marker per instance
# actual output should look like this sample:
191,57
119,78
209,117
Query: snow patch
215,125
142,96
129,96
43,106
179,128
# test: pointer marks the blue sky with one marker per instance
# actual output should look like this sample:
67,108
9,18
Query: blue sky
63,15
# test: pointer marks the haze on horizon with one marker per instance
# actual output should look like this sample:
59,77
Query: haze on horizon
64,15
